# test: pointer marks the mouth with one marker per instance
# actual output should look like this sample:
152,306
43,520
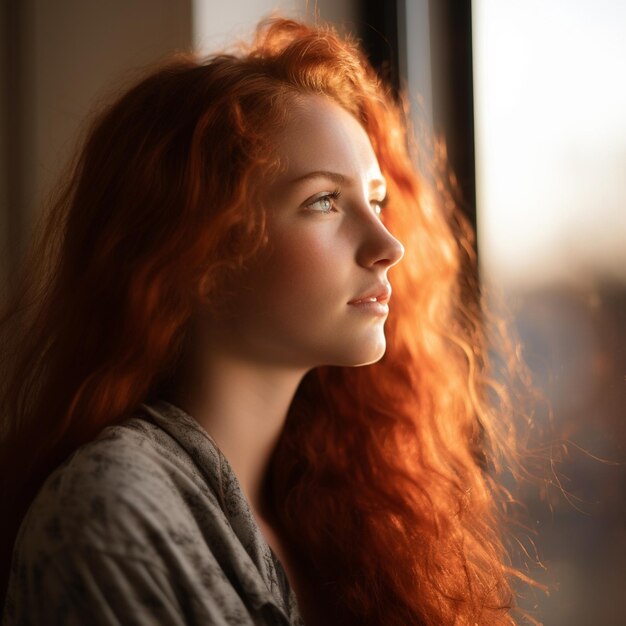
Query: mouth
373,304
377,299
380,294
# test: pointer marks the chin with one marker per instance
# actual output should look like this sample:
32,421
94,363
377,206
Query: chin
375,359
363,356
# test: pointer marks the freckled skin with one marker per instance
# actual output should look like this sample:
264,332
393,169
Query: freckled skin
290,308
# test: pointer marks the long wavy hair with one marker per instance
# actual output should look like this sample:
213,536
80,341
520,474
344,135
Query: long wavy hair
382,483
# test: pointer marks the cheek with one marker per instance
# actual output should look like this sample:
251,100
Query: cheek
305,265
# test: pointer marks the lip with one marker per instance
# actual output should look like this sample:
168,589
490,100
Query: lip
382,293
372,308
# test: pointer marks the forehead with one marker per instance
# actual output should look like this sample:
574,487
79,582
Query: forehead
321,135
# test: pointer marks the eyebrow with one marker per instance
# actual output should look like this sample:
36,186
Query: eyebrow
336,177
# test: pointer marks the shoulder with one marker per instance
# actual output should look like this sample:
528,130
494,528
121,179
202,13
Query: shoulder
129,525
133,519
126,491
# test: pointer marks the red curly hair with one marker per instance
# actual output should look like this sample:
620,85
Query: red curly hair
379,483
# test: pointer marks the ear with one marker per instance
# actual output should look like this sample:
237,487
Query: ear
206,286
212,293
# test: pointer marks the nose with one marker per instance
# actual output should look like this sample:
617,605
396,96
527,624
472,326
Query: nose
377,244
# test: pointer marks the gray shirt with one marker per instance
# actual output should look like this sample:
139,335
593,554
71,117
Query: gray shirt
147,524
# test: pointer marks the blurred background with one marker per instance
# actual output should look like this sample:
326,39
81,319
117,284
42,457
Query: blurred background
529,99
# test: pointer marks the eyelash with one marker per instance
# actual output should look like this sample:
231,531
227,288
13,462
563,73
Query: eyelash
329,196
334,195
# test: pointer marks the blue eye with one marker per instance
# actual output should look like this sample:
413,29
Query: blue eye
379,206
325,202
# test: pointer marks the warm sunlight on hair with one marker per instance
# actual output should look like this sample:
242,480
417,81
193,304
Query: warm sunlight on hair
181,278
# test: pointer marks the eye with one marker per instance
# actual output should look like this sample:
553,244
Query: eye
325,202
379,206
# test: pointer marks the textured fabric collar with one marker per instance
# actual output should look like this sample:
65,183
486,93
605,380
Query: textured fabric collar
271,586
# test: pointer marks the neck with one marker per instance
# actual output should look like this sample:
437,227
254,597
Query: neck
243,406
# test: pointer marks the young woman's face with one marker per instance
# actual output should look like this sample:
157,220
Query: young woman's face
327,248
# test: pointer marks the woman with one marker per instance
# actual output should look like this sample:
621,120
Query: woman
208,418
